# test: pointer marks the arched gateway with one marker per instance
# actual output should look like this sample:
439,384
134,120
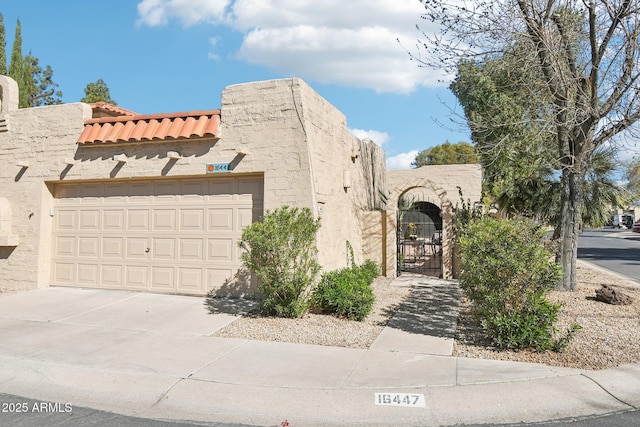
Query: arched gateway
419,211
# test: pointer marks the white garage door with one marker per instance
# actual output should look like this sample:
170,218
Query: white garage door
168,235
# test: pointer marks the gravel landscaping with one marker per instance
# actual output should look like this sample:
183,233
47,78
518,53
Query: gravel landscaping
610,334
321,329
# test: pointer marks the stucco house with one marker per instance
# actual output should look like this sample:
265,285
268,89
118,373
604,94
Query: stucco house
98,196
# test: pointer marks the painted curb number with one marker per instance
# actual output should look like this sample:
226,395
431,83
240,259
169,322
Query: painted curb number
400,399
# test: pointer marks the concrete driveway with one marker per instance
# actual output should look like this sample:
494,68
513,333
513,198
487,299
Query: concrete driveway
153,356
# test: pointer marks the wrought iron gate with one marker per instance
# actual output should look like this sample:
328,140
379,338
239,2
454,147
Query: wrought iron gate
419,237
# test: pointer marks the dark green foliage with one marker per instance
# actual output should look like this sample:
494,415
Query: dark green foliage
347,292
41,89
506,272
35,84
3,48
96,92
509,113
281,251
446,154
15,64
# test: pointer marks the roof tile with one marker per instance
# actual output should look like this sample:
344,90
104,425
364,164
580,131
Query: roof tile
153,127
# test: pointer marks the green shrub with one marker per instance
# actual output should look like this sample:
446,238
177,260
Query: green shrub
507,272
369,270
347,292
281,251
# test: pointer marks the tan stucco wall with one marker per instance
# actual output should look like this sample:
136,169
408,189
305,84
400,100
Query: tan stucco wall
439,185
40,138
303,145
280,128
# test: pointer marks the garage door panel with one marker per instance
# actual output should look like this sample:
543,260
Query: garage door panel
88,247
91,193
192,220
87,274
163,249
113,220
136,277
190,280
218,276
64,273
164,220
69,195
191,250
138,220
162,278
137,248
245,217
173,235
166,192
111,276
112,247
66,219
65,246
140,193
220,249
193,191
115,193
221,190
220,219
89,220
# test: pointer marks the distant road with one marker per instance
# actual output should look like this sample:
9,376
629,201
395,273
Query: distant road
616,250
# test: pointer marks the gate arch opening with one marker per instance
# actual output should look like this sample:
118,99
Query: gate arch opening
419,237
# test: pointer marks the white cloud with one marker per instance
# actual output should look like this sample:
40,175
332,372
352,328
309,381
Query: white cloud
351,43
213,41
378,137
188,12
402,160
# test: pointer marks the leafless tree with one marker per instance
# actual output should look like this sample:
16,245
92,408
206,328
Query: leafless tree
586,52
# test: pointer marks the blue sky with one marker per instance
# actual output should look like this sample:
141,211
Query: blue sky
160,56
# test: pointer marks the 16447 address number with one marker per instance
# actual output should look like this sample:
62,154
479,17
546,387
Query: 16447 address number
400,399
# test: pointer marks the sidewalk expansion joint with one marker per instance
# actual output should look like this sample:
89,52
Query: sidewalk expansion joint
96,308
166,392
609,393
211,362
364,354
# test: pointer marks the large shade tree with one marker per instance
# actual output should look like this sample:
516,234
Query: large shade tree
587,56
509,116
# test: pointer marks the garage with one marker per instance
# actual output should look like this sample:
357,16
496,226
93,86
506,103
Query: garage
172,235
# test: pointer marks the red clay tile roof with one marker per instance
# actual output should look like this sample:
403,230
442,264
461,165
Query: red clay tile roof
154,127
105,109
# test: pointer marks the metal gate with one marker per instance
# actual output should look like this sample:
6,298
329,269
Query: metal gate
419,238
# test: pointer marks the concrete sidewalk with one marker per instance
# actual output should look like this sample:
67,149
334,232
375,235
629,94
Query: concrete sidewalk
153,356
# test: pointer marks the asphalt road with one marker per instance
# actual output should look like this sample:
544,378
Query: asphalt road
16,411
613,249
24,412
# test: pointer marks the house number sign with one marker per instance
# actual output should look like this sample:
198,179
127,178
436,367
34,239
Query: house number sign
218,167
400,399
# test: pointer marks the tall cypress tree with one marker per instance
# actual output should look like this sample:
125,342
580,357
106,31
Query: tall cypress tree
35,84
17,68
3,48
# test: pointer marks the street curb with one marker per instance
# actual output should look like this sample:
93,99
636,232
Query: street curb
632,282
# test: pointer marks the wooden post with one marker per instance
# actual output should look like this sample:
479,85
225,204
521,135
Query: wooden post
384,243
